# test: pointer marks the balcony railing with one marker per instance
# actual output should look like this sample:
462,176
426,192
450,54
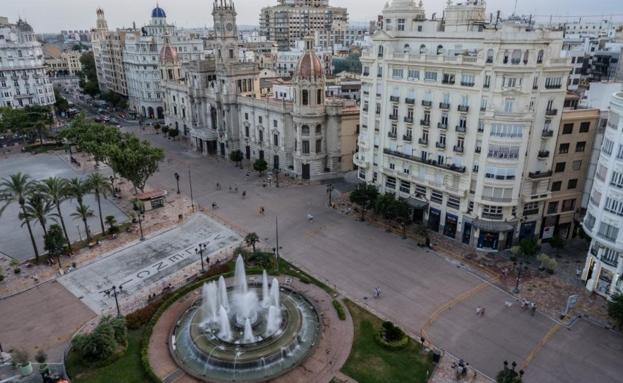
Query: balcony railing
392,135
543,153
407,137
365,108
551,112
540,174
447,82
425,122
410,101
467,83
553,86
409,120
422,141
394,98
459,149
547,133
440,145
451,167
478,149
442,125
427,103
444,105
393,117
463,108
461,129
481,129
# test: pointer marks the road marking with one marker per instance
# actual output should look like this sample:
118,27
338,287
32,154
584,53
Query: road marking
539,346
448,305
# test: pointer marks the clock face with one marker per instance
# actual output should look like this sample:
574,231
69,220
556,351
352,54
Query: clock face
230,27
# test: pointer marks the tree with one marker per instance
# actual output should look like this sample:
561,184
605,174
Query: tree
401,213
260,166
509,375
615,309
364,195
56,190
165,130
98,345
31,121
101,187
251,239
54,243
15,189
37,207
111,221
173,133
83,213
88,82
61,104
529,247
134,160
383,205
78,188
236,156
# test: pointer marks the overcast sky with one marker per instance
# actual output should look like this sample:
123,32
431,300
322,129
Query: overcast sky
56,15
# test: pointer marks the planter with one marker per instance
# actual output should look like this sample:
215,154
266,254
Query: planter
25,369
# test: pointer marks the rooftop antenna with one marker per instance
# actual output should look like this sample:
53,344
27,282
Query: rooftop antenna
515,9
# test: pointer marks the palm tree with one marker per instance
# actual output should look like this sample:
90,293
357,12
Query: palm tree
83,213
38,207
78,188
16,188
57,191
251,239
101,187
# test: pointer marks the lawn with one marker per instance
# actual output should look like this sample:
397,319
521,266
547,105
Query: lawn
369,362
126,369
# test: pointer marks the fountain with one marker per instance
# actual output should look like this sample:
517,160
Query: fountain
245,332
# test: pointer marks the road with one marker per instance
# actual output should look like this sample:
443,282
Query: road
422,291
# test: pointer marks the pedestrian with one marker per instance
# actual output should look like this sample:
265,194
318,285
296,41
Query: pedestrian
478,310
214,205
310,217
532,308
218,186
244,194
378,291
230,188
236,189
482,312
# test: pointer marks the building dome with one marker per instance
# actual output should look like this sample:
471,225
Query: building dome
23,26
158,12
309,67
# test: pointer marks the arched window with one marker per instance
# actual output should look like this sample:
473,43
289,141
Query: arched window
380,51
516,58
319,96
304,130
489,56
407,48
422,49
318,129
439,49
305,97
539,57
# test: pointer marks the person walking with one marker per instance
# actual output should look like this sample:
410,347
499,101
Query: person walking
532,308
244,194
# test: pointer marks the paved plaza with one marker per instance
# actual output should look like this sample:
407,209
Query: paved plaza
141,265
14,241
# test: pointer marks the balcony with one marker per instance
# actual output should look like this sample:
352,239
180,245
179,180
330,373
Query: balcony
539,174
365,108
407,137
467,83
410,101
551,112
409,120
365,92
393,117
458,149
427,103
546,133
440,145
483,108
543,154
451,167
553,86
392,135
481,129
478,149
442,126
461,129
425,122
444,105
422,141
366,74
447,82
463,108
394,98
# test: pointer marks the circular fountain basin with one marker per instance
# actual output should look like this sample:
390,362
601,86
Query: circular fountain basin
201,353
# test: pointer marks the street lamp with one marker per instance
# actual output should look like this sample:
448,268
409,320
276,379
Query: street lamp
518,267
330,189
139,208
200,250
177,180
114,291
190,183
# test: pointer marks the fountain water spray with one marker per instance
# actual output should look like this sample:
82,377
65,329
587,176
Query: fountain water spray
222,293
225,327
248,332
209,304
240,276
265,296
273,321
274,292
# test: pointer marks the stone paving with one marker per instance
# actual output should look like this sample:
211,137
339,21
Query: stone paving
329,355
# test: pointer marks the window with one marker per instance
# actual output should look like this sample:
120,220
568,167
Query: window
453,202
589,221
318,129
607,146
420,191
576,165
539,57
560,167
584,127
381,48
568,205
305,130
556,185
401,24
563,148
580,146
397,74
319,96
275,139
319,145
260,135
487,82
617,180
503,152
305,97
489,56
620,152
492,212
552,208
413,74
493,172
246,115
436,196
608,232
553,82
405,187
305,147
497,194
390,183
430,76
531,208
508,105
614,206
572,184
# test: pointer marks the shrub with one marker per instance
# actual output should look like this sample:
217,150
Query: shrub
102,342
17,270
20,357
615,309
41,357
529,247
141,316
391,332
547,262
339,309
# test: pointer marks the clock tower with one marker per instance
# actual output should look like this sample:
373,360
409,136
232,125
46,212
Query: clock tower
225,29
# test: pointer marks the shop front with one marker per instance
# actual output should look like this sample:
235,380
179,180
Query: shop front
493,235
434,219
449,229
419,208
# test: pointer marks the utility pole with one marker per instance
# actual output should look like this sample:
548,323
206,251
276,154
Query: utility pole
190,182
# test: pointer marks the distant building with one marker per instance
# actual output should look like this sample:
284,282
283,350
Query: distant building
293,20
23,78
59,62
286,61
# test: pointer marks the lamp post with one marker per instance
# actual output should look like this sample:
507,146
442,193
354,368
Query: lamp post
177,181
114,291
199,250
139,208
190,183
330,189
519,267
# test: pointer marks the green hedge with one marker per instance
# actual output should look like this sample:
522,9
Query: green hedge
339,309
398,345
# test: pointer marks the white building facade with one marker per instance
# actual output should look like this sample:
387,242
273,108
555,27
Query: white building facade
458,118
23,78
604,217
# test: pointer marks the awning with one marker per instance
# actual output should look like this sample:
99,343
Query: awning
417,203
494,226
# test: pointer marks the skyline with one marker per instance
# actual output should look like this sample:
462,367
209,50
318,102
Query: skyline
197,13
